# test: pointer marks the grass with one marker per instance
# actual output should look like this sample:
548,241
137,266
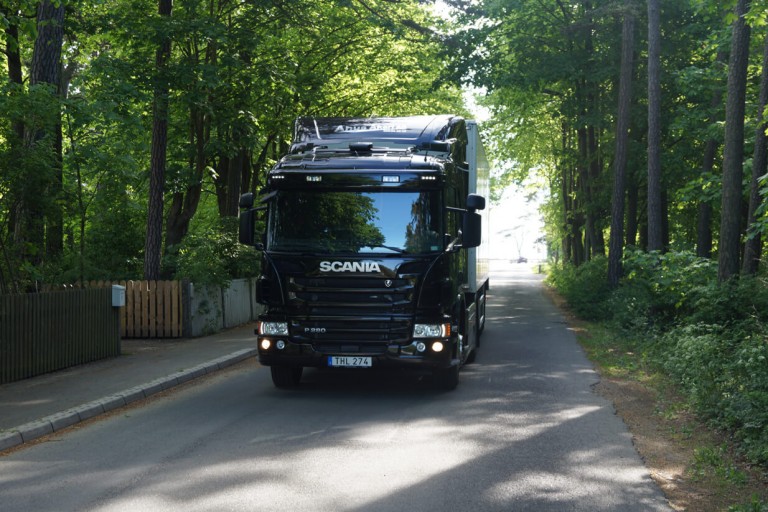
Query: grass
716,478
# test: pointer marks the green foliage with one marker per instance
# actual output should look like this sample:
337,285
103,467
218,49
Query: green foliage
725,373
665,286
755,505
714,460
711,339
584,287
213,256
239,74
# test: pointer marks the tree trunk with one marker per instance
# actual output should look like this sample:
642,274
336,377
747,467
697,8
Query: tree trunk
40,198
584,191
565,191
597,211
16,77
733,155
704,214
632,210
655,212
184,204
154,241
753,245
15,71
232,173
616,240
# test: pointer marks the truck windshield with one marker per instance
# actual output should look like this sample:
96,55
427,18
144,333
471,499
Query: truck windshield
355,222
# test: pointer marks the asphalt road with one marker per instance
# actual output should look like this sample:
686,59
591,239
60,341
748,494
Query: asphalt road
523,431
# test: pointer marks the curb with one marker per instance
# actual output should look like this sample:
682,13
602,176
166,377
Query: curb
59,421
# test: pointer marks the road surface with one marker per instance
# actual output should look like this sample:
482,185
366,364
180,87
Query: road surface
523,431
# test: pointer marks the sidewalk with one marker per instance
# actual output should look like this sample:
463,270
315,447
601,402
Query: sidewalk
35,407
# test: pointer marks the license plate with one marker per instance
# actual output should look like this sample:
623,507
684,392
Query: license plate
349,362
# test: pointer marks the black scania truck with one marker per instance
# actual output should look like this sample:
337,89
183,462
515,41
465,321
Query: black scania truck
373,251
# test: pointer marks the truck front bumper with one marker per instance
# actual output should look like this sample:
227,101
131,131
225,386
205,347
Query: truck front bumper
427,354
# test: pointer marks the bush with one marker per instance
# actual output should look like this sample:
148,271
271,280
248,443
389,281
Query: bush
725,373
671,283
708,337
213,256
630,308
584,287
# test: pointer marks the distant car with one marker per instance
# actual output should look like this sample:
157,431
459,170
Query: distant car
522,259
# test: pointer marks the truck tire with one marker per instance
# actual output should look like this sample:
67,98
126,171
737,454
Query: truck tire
446,379
284,377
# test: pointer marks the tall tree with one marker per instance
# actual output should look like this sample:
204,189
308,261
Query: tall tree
655,210
44,139
616,239
753,245
733,156
154,239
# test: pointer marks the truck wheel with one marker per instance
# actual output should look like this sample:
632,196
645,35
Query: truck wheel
286,376
446,378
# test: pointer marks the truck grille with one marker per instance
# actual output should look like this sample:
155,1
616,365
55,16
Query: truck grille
354,295
350,315
351,335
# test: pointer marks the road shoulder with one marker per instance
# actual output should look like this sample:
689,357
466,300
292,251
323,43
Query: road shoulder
695,467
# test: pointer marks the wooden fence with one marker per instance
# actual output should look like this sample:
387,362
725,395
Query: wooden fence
44,332
153,309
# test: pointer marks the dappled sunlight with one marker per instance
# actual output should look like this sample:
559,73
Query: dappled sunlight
317,475
523,431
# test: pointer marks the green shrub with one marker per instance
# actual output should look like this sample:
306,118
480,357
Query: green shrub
630,307
584,287
213,256
671,283
724,371
710,338
693,355
755,505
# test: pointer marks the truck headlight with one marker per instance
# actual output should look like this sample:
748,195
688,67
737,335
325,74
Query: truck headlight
273,328
431,330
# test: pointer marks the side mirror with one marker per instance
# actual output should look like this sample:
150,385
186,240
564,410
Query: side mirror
246,200
471,230
245,232
475,202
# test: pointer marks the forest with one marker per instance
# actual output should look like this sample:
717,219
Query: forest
129,129
644,122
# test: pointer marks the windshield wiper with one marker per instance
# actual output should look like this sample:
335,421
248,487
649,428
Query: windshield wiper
391,248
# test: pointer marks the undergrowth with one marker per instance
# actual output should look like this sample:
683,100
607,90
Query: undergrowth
711,339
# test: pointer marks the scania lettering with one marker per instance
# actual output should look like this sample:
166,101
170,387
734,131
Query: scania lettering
349,266
374,247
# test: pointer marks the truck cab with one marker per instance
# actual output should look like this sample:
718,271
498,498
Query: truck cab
369,255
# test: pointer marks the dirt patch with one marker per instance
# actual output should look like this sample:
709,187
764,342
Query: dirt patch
671,440
666,460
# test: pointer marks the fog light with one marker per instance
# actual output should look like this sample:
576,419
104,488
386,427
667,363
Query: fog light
266,344
280,344
421,347
437,346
